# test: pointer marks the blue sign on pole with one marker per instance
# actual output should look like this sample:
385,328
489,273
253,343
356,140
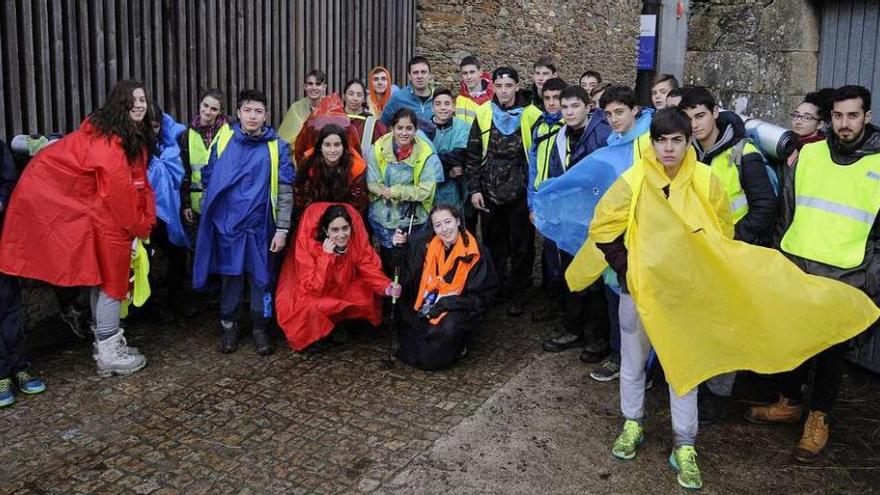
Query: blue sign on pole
647,42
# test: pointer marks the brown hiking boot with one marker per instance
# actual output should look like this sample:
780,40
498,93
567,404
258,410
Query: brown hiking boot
814,438
781,411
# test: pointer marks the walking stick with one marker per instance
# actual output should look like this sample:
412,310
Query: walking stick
388,362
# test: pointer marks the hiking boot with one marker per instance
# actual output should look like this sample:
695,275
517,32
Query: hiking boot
28,384
7,398
228,336
262,341
628,441
562,342
607,371
684,461
815,436
73,318
594,351
712,407
131,350
781,411
114,358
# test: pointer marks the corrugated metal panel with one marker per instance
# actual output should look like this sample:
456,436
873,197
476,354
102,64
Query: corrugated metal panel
60,58
849,51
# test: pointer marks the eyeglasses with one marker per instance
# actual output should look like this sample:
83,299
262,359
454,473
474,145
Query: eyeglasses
806,117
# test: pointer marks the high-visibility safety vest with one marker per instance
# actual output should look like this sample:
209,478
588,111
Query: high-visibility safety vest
198,158
422,150
835,207
530,115
726,168
367,136
223,137
466,108
544,142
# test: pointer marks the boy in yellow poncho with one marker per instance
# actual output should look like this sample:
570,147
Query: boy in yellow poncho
707,304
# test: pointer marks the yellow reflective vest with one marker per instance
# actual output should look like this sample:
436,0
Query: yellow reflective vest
223,137
544,147
466,108
726,169
835,207
198,158
530,115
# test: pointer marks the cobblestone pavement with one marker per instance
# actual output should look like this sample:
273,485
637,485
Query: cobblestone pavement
195,421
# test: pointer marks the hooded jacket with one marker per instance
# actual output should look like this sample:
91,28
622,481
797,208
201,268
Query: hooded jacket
502,172
466,104
375,103
406,98
595,136
867,275
166,173
756,227
316,290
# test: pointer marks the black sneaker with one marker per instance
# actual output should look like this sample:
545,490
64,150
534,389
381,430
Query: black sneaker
712,408
594,351
263,342
609,370
228,337
562,342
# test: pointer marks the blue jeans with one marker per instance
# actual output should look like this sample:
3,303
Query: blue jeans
231,293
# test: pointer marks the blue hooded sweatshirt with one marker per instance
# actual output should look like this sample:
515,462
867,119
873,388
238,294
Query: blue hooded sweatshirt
406,98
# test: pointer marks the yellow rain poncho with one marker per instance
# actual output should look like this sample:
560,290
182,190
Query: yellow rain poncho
709,304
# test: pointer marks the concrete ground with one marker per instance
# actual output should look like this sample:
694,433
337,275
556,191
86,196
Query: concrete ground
508,419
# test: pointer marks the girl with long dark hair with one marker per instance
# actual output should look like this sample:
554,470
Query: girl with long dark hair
332,172
80,205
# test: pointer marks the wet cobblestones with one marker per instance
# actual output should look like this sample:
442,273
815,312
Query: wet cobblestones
195,421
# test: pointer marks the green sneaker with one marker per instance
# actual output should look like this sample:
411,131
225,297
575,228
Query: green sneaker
684,461
29,384
629,440
7,398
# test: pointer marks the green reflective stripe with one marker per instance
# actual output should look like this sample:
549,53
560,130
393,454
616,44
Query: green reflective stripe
836,209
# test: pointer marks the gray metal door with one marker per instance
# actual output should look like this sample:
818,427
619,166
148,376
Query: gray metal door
849,50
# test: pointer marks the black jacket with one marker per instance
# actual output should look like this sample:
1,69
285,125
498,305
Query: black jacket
502,177
867,275
757,226
8,178
479,288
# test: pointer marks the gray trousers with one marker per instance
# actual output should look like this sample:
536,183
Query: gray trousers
634,349
105,313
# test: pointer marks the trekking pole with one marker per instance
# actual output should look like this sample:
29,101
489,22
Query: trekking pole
389,358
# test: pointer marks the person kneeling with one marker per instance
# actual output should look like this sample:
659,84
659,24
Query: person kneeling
447,285
332,274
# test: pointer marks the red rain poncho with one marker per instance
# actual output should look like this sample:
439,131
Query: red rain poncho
75,212
316,290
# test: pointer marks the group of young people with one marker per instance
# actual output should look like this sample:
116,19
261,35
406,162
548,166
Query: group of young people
638,209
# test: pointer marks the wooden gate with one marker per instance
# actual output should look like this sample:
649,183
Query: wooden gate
60,58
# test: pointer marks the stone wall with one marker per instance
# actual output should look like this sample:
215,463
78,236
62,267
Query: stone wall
581,35
759,56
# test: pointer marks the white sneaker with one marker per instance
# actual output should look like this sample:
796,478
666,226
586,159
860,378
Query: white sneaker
131,350
114,358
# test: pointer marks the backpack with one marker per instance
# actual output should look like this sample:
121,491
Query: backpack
736,154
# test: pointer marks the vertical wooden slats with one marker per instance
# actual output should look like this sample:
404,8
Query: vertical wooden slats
60,58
